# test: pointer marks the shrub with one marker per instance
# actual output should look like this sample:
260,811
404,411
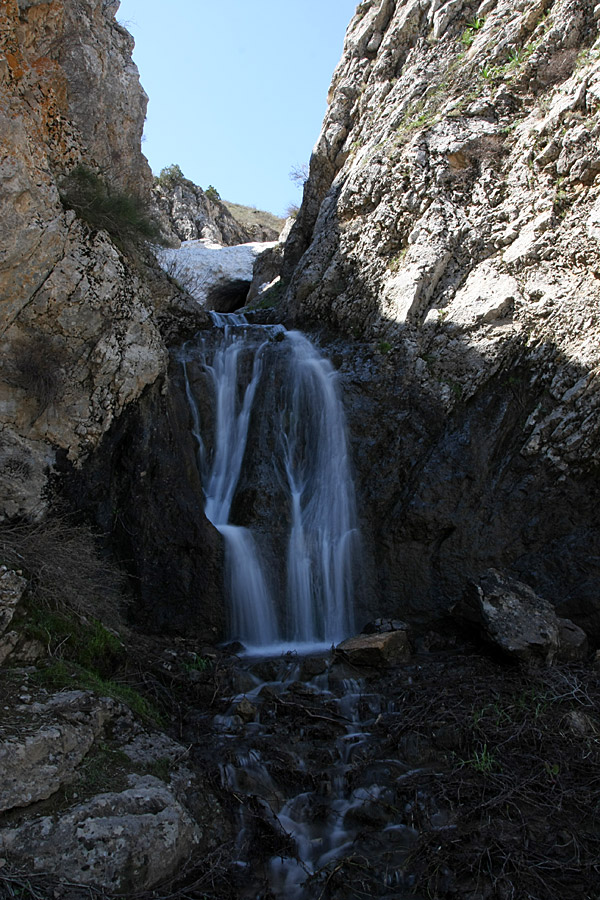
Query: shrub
38,367
124,216
299,174
64,566
212,193
170,176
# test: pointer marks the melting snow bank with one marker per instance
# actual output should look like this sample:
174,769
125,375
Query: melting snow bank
201,266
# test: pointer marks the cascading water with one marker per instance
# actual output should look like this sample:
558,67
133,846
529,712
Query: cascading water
311,459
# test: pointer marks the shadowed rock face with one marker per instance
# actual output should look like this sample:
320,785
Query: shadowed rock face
142,487
450,228
444,495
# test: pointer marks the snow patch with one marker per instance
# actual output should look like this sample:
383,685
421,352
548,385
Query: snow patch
199,266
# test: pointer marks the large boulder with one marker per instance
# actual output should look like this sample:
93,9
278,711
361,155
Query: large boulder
122,842
47,742
524,626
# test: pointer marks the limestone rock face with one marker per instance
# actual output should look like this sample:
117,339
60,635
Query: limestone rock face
106,101
450,228
191,215
78,338
453,197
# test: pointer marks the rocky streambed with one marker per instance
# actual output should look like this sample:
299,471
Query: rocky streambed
446,773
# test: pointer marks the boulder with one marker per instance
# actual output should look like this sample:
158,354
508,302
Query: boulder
377,650
47,745
512,617
122,842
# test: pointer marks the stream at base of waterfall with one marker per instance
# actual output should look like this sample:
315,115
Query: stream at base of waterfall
300,749
243,379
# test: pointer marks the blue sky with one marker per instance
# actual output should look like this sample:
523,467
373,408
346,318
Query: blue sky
237,89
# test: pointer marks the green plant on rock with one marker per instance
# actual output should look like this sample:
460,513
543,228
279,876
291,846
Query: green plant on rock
270,297
468,35
86,643
125,216
59,674
396,261
170,176
196,663
212,193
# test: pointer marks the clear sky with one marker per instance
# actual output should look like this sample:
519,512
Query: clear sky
237,89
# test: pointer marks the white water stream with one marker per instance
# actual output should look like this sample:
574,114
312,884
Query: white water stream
309,453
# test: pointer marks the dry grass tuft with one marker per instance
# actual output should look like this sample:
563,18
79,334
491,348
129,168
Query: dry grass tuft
65,567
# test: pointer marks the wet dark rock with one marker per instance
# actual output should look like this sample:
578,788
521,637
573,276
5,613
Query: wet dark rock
245,710
241,681
312,666
228,724
234,647
371,806
142,488
383,626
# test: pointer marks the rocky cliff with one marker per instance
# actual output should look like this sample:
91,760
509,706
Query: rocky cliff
191,214
79,340
450,228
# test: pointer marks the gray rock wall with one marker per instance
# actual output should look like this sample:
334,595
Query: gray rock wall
450,229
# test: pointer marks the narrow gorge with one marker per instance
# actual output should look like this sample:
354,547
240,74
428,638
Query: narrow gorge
300,532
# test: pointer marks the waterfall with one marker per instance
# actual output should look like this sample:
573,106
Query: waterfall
306,429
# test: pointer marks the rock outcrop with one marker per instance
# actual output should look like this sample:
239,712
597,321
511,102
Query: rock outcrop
52,740
450,228
117,841
121,810
190,214
79,340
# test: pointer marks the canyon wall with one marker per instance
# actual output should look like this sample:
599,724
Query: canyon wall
79,336
450,229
